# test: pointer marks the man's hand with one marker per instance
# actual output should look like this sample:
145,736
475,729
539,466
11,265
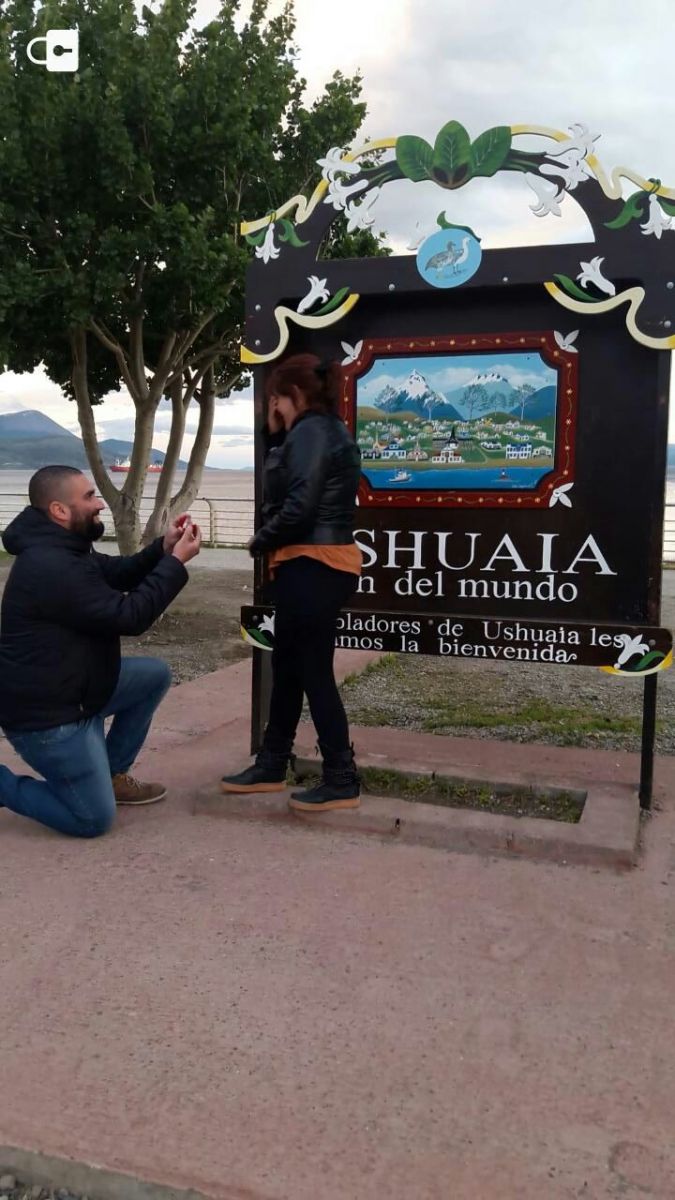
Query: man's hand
175,532
189,543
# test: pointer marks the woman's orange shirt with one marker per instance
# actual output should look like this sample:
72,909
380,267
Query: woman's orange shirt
340,558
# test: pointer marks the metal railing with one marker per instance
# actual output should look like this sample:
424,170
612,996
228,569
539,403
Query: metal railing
668,553
225,521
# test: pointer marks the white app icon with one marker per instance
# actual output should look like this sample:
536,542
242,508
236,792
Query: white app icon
62,50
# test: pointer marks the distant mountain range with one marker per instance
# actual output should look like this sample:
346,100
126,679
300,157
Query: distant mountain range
492,394
29,439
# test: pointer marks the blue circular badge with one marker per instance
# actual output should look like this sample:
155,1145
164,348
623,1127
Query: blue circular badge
449,257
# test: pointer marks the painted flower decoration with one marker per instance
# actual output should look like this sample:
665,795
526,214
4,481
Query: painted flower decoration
317,291
657,220
559,496
582,141
359,215
268,249
417,237
571,167
548,195
267,624
351,352
565,340
340,193
631,646
591,273
334,162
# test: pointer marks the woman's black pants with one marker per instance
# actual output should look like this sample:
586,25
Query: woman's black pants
308,597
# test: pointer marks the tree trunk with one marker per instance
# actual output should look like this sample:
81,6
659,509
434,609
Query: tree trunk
128,523
187,494
183,384
159,517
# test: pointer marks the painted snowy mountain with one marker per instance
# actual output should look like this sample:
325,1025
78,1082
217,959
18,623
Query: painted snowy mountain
416,396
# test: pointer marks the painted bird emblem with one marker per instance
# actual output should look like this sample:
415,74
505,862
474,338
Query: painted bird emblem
453,256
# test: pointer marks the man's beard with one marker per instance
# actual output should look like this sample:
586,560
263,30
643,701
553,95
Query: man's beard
89,528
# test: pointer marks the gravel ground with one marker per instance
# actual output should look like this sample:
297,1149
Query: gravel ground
518,702
527,702
13,1189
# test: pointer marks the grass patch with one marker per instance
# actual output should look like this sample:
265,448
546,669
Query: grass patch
550,804
547,803
550,718
387,662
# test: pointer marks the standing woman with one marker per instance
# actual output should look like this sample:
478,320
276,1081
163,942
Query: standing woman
311,476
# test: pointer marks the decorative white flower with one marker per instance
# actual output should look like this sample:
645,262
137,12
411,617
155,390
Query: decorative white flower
582,141
559,495
591,273
359,215
317,291
548,196
565,340
339,192
572,168
333,163
419,236
268,249
631,646
657,220
267,624
351,352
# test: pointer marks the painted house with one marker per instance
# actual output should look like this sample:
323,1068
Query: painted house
519,451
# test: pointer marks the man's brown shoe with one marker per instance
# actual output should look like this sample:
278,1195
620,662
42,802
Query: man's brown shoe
131,791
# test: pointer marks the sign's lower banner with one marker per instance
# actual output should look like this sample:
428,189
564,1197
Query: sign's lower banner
621,649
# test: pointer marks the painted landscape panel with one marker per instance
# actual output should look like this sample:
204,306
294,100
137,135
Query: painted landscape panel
457,421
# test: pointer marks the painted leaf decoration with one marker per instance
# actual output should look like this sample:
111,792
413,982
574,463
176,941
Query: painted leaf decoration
334,302
256,239
667,205
633,208
289,235
414,156
490,149
648,660
452,154
564,500
443,223
259,638
568,285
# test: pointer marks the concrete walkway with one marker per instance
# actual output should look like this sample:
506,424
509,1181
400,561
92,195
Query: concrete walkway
266,1012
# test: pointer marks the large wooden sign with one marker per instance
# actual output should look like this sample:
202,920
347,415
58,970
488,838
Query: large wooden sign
510,405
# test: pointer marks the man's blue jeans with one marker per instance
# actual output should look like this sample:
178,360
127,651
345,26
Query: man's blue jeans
77,761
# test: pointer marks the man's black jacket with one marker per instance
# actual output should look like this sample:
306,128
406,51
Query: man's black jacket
63,611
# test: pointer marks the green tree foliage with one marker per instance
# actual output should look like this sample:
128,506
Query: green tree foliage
123,186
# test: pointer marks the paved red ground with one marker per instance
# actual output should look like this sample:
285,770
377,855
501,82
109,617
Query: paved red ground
265,1012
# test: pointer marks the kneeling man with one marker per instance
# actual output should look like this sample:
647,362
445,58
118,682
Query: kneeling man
61,673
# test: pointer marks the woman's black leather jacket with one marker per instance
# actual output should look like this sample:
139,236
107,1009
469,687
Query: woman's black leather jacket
310,482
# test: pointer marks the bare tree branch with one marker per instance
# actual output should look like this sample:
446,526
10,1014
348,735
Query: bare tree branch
106,338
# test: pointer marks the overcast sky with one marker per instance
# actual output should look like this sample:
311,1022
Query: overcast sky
606,63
